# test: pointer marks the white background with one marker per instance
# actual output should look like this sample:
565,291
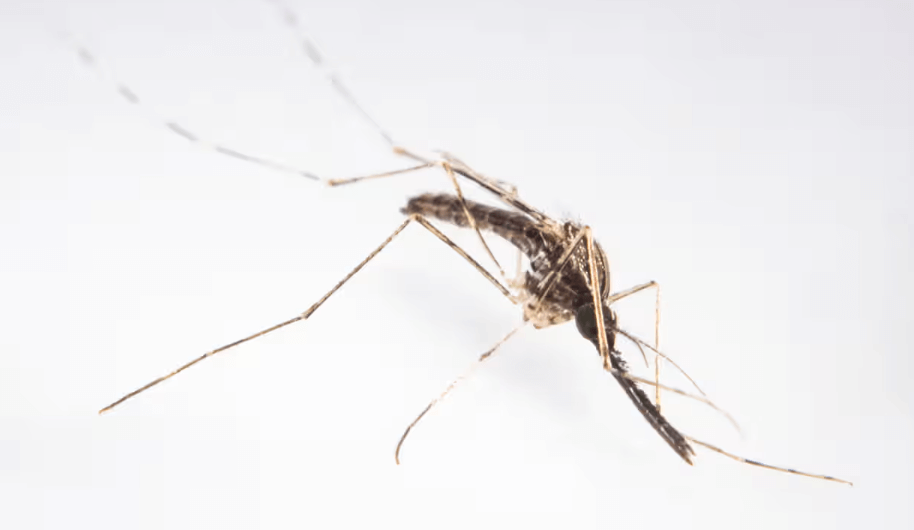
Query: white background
753,157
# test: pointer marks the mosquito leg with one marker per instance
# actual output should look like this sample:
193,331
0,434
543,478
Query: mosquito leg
628,292
597,299
307,313
552,276
446,165
491,351
319,62
506,194
767,466
612,364
549,281
311,51
472,219
660,355
431,228
352,180
303,316
313,54
88,59
506,190
125,92
518,280
317,59
130,96
658,360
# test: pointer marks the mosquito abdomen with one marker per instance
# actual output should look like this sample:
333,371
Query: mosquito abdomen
514,227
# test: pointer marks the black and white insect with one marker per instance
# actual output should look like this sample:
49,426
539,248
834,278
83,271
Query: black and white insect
568,277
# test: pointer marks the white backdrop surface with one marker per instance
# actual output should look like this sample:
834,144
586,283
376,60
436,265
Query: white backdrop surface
754,158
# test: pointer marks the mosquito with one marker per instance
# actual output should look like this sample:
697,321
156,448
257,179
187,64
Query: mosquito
568,274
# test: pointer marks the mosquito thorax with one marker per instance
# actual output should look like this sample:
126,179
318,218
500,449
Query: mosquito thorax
586,320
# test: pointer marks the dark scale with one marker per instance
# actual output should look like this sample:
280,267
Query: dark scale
543,242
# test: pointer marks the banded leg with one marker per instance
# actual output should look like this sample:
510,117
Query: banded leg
88,59
768,466
448,162
314,307
313,54
131,96
504,191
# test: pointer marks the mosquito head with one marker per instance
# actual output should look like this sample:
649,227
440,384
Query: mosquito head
586,320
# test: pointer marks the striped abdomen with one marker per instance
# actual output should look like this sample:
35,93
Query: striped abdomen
514,227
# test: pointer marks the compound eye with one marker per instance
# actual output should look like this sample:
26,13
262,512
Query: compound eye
586,320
